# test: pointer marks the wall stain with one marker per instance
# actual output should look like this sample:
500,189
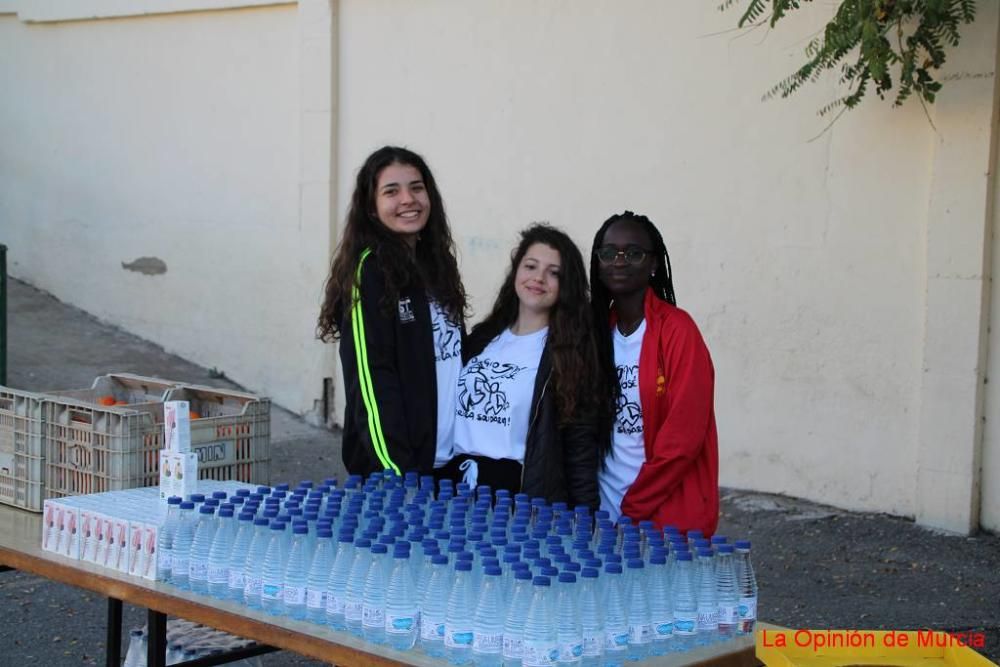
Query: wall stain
147,266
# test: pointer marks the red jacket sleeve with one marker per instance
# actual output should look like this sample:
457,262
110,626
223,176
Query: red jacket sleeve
681,434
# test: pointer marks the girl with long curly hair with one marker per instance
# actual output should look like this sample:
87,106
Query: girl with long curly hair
526,397
396,302
661,456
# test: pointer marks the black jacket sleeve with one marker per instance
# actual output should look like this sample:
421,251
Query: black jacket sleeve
579,439
382,426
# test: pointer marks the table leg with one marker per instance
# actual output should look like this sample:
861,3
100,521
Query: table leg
156,650
113,652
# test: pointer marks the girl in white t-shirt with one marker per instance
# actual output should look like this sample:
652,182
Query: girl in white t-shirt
526,392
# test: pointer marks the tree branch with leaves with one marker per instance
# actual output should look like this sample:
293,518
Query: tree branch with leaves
882,44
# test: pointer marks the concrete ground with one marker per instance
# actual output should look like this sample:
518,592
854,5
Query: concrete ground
818,567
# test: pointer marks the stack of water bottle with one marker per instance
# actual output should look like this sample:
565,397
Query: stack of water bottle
188,641
470,576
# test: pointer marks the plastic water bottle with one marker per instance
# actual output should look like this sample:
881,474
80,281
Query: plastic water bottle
615,617
487,626
336,584
255,562
725,591
640,633
708,605
272,574
219,554
434,607
540,647
181,549
355,591
296,574
373,607
517,611
204,533
747,585
685,602
458,619
569,631
136,645
165,538
319,575
591,619
238,556
660,607
402,611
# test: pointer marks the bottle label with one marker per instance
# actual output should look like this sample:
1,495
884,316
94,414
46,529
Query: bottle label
570,651
352,610
372,616
334,605
685,623
457,636
592,644
539,653
218,575
663,628
431,629
295,595
748,608
487,642
615,639
315,598
513,647
708,619
270,591
728,614
400,624
639,634
179,565
236,579
198,570
252,588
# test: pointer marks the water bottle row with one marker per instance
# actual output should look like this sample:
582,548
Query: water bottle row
188,641
626,591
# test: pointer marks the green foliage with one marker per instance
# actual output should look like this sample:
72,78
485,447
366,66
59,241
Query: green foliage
884,44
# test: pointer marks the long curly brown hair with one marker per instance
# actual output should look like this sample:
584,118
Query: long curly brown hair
433,265
571,331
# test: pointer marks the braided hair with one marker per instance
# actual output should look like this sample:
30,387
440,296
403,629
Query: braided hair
662,285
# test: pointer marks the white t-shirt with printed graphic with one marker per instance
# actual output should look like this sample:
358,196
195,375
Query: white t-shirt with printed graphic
447,366
628,448
493,405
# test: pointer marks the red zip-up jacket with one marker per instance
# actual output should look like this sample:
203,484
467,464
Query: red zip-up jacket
678,484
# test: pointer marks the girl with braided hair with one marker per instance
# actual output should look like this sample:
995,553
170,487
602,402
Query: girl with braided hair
661,461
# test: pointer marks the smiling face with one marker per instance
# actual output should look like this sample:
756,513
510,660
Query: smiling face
620,277
537,279
401,200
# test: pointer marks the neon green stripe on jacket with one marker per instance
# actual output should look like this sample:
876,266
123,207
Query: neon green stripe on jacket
364,372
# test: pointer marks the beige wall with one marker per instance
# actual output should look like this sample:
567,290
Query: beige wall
841,279
186,138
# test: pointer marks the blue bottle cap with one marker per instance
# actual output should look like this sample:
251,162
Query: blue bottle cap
726,548
363,543
683,555
613,568
571,566
695,534
261,521
567,578
593,563
463,565
657,559
492,571
743,544
635,564
197,497
588,573
206,509
277,525
226,512
246,516
324,532
439,559
379,549
511,558
541,581
487,562
282,487
705,553
549,571
220,495
345,536
523,574
174,500
464,555
300,529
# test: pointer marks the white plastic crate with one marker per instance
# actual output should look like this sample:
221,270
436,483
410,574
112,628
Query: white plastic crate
22,453
92,448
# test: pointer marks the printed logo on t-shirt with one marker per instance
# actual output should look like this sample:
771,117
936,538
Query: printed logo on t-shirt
482,391
406,310
447,339
629,418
